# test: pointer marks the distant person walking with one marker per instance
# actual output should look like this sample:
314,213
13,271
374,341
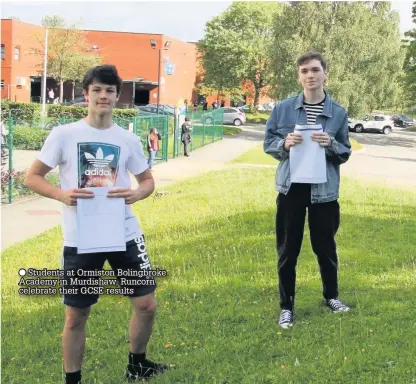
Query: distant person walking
51,96
186,136
153,145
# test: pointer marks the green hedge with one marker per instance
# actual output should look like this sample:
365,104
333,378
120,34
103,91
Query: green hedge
29,137
20,112
58,111
30,113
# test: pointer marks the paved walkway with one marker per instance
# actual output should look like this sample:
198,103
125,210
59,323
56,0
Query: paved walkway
23,220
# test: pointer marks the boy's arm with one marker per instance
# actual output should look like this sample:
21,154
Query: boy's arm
274,140
146,184
340,149
35,180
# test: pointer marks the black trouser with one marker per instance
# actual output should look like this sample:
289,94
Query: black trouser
324,221
185,147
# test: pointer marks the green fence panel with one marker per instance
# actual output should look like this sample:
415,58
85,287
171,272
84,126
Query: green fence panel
207,127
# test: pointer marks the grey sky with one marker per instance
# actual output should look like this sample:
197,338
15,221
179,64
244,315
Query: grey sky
183,20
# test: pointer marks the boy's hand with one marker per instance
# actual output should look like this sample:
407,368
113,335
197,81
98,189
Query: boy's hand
292,139
322,138
130,195
70,196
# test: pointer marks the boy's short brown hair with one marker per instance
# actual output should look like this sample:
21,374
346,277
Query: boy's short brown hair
311,56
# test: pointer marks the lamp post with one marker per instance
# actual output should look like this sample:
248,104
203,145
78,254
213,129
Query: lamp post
165,48
45,61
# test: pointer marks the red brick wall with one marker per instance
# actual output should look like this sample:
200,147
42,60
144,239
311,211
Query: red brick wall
6,39
23,35
131,53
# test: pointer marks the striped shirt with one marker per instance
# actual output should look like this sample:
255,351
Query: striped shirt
313,110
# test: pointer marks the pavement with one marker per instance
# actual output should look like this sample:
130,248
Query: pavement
27,219
388,160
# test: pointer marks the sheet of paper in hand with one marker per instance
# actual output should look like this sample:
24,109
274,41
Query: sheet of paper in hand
307,160
101,223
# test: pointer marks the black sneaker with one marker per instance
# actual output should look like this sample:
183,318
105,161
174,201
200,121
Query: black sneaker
146,369
286,318
337,305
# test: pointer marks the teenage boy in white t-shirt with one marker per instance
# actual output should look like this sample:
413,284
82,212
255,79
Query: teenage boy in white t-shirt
95,152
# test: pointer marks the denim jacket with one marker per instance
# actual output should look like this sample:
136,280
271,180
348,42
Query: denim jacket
334,120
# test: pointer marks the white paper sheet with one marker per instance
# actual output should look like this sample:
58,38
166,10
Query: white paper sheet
307,160
101,223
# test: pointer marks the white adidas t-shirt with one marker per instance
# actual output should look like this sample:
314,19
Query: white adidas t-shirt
90,157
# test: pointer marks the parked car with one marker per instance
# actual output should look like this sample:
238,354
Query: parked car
376,122
152,110
232,115
79,104
78,99
402,121
164,109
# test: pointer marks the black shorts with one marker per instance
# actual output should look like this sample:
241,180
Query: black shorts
83,283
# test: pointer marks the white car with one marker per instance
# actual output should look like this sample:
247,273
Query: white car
376,122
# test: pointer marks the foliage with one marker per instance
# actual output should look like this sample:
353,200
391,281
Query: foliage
360,41
20,112
234,94
30,138
236,46
59,111
19,189
68,53
231,131
409,67
257,118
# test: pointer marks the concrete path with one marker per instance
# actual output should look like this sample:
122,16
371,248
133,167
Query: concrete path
23,220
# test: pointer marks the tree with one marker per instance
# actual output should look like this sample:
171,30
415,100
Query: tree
409,67
79,64
360,40
236,46
67,50
226,93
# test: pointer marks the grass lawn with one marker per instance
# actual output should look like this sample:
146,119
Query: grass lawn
231,131
256,155
218,305
257,118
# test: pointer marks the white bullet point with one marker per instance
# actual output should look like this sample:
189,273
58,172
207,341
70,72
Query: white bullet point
22,272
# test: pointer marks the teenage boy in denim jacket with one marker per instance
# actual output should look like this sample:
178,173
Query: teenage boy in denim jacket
313,106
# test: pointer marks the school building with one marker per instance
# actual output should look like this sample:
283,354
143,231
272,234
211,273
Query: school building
136,56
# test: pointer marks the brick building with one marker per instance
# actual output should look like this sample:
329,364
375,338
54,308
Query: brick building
132,54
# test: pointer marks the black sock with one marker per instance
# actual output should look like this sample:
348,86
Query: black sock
73,377
136,358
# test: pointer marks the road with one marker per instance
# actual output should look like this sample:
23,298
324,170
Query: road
389,159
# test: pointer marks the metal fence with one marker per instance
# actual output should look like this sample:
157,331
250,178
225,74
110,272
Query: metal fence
206,128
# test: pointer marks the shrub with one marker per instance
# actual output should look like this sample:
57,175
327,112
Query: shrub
19,189
59,111
20,112
29,137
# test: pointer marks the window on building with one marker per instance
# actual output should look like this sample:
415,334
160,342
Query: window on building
16,53
2,84
3,49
